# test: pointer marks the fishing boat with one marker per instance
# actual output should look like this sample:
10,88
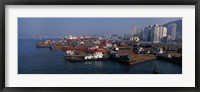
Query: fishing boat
172,59
43,45
177,60
164,56
122,58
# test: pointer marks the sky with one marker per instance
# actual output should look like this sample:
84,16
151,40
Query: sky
84,26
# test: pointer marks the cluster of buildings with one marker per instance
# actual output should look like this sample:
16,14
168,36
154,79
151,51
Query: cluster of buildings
153,33
156,33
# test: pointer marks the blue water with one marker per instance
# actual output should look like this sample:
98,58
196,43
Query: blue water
32,60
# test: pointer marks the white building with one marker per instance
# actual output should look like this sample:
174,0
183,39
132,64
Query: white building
164,32
157,33
71,37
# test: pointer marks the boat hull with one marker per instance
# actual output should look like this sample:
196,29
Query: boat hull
177,60
81,59
42,46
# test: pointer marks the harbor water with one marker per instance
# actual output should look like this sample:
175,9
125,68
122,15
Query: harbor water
32,60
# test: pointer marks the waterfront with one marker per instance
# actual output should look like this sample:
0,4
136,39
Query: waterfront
32,60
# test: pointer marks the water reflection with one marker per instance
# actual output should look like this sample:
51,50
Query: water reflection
98,64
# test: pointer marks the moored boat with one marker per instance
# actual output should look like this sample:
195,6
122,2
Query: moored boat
122,58
167,57
82,59
43,45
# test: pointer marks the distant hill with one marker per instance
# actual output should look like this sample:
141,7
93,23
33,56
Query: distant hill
179,25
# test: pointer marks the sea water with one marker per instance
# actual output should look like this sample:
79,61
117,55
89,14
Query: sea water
32,60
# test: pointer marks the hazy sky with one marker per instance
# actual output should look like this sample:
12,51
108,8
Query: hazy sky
84,26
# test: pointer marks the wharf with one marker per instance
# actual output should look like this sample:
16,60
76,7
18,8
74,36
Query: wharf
137,58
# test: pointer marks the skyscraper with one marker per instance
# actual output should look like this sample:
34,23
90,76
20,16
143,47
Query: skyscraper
172,30
137,32
164,32
147,33
133,31
157,33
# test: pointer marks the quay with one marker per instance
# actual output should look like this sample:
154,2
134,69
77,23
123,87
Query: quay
136,58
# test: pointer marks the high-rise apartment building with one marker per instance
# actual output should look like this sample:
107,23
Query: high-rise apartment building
172,30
